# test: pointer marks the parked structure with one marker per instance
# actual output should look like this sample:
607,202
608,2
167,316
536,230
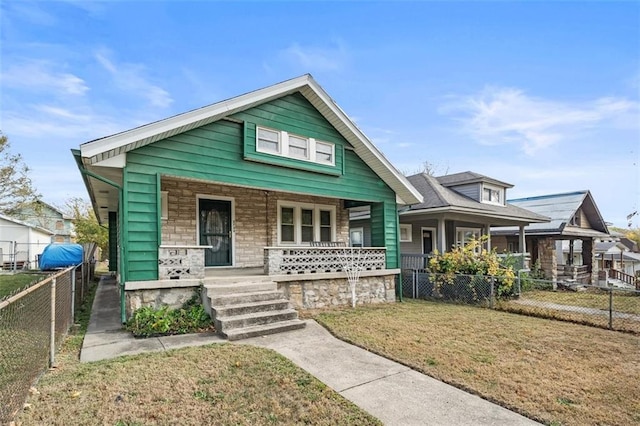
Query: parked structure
21,243
574,216
233,195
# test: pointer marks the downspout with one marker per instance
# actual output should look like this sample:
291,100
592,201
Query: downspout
123,317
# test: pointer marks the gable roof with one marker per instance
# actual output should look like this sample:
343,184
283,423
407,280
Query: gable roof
440,198
25,224
561,208
464,178
111,146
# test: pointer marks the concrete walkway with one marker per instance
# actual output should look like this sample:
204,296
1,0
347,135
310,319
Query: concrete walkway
389,391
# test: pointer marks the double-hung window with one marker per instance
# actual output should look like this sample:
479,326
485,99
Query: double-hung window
285,144
268,141
300,224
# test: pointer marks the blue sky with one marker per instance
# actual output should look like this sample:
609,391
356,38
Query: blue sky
545,96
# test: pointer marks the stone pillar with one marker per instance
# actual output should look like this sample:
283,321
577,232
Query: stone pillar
523,245
548,259
442,236
589,259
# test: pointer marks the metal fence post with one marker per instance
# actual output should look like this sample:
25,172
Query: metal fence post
73,293
610,308
492,296
52,340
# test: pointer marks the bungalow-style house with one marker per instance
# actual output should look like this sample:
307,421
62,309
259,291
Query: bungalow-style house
48,217
251,194
574,216
21,243
455,208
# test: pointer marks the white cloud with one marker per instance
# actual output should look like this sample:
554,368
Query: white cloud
130,78
317,58
42,76
500,115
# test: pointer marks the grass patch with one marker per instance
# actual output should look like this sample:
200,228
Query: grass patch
623,301
11,283
218,384
555,372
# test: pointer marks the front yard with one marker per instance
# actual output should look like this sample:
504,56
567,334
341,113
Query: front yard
555,372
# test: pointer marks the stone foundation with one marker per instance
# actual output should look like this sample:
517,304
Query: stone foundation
158,297
336,292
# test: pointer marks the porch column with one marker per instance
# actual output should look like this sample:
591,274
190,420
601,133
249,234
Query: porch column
523,243
487,228
442,236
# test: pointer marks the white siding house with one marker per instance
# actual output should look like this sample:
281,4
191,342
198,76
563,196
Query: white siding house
21,242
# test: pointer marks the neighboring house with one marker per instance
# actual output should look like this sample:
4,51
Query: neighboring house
455,208
242,188
21,243
48,217
574,217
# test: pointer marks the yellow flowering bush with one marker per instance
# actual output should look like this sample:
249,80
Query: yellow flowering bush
472,259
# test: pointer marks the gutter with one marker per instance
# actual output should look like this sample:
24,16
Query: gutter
85,174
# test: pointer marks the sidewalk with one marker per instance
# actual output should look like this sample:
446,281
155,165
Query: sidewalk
395,394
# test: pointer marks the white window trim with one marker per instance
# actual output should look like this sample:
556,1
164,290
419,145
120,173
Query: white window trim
500,190
409,229
297,221
284,147
434,238
475,231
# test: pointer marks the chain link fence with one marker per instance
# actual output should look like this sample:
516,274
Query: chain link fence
33,324
607,307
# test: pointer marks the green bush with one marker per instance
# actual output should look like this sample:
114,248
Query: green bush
190,318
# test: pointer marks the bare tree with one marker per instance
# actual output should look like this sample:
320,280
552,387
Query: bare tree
430,169
16,188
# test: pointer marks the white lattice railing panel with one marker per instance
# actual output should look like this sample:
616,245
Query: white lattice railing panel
181,262
314,260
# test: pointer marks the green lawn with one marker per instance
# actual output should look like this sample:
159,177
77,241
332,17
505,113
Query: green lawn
555,372
220,384
10,283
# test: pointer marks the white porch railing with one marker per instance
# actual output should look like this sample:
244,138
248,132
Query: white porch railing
314,260
181,262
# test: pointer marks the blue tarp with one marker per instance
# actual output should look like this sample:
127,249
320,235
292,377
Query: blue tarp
60,256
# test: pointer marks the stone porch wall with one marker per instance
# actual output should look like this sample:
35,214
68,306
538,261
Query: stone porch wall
255,221
336,292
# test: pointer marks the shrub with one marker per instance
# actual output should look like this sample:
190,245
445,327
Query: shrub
471,259
190,318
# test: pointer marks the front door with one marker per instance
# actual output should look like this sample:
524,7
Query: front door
427,241
215,231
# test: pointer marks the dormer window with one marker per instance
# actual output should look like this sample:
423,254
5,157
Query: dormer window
492,194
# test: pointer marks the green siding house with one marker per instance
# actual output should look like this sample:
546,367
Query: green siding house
253,189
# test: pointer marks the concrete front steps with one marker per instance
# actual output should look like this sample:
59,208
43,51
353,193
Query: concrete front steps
246,309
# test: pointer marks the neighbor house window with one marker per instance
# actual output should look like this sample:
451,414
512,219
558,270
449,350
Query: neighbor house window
492,195
59,225
279,142
464,235
300,224
405,233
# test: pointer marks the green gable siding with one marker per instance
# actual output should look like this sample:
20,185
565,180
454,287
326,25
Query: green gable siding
216,152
